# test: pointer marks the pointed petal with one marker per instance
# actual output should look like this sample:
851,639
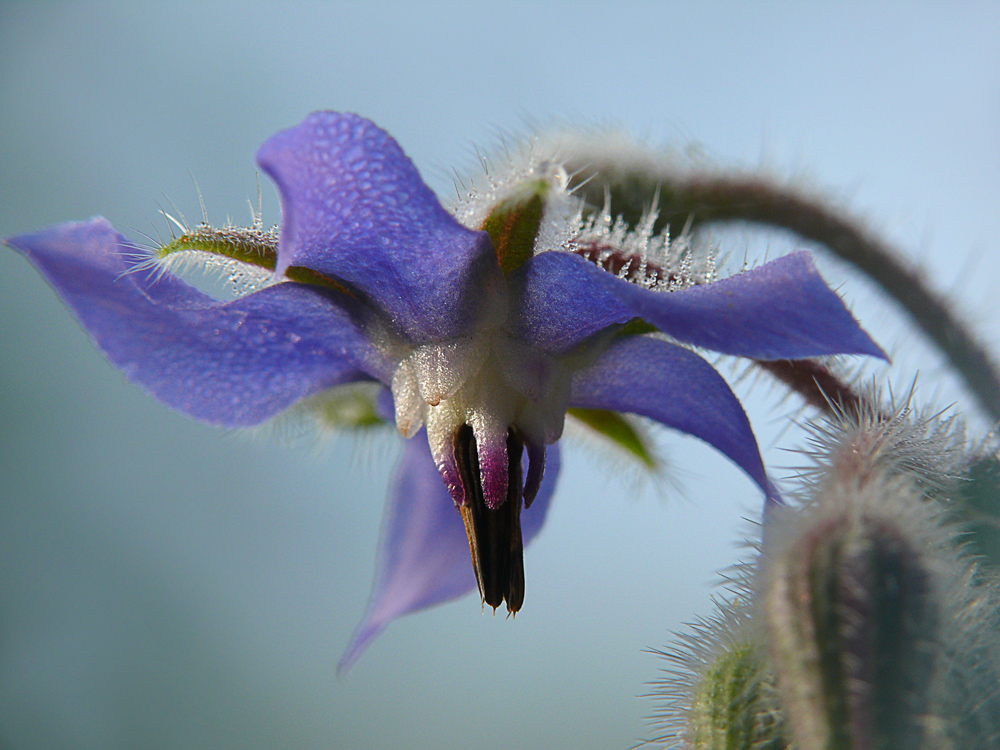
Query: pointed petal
354,208
676,387
781,310
423,556
230,363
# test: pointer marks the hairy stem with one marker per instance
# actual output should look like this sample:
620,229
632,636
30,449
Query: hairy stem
818,385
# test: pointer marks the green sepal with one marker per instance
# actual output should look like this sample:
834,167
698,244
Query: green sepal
616,428
513,224
254,246
352,406
637,327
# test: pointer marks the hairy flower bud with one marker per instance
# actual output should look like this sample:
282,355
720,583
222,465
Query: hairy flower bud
879,625
855,627
867,623
718,690
979,507
734,705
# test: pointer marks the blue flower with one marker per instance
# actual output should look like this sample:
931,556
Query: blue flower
484,336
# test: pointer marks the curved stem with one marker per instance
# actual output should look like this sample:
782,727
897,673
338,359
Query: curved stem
704,197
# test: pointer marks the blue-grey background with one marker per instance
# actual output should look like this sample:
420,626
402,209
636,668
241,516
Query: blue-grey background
166,585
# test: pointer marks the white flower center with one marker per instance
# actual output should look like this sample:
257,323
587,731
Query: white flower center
488,381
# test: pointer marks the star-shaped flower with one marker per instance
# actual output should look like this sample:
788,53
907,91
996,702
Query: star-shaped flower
484,334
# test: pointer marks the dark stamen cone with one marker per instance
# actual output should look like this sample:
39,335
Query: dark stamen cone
494,535
515,553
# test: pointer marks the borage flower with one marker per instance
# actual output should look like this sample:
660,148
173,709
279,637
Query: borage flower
484,334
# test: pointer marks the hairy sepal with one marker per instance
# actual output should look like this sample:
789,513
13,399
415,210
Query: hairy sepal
253,246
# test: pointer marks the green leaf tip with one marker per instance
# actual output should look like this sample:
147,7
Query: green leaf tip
620,431
513,224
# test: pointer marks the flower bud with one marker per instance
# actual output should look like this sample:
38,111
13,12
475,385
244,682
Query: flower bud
867,624
734,704
879,623
855,632
718,690
979,507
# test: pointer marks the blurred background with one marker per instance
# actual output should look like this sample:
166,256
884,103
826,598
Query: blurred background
165,585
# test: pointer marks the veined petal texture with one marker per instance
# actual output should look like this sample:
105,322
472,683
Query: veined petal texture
676,387
355,208
229,363
781,310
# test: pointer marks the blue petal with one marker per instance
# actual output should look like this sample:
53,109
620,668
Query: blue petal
781,310
233,364
423,556
676,387
354,208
